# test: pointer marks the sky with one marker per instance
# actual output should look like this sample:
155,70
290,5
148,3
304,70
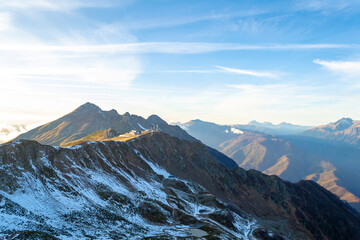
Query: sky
225,61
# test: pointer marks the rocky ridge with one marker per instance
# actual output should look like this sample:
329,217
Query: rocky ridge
156,186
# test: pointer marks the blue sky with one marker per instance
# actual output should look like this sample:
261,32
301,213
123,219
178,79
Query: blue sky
220,61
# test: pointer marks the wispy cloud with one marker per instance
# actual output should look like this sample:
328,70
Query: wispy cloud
5,21
85,68
33,60
250,72
58,5
227,70
171,47
8,132
184,20
326,5
345,68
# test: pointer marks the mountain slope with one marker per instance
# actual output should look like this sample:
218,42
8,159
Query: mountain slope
104,190
123,189
89,118
295,159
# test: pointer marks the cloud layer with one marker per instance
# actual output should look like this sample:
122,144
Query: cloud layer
345,68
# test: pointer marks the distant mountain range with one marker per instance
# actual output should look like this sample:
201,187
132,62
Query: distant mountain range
277,129
325,158
217,134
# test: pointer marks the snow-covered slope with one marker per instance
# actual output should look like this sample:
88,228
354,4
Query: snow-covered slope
156,187
104,191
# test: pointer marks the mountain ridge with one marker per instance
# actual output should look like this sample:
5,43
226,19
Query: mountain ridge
345,130
89,118
268,198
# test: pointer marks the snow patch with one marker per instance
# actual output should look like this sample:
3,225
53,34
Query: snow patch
74,147
141,127
156,168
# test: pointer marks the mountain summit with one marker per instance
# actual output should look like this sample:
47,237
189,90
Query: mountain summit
345,130
89,118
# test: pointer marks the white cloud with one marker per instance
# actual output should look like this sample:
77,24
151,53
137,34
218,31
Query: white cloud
236,131
85,68
26,59
326,5
250,72
168,47
345,68
5,21
8,132
220,69
58,5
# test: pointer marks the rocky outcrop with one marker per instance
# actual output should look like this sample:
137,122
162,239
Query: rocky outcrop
101,190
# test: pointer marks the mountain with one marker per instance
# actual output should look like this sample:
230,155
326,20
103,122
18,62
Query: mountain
156,187
213,133
277,129
291,157
271,155
89,118
216,134
344,130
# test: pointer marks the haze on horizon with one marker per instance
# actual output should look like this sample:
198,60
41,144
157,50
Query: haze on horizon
293,61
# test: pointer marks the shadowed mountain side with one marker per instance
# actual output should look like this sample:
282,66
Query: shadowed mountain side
270,154
108,135
89,118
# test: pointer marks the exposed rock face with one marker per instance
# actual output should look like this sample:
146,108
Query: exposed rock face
128,189
102,190
89,118
305,206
